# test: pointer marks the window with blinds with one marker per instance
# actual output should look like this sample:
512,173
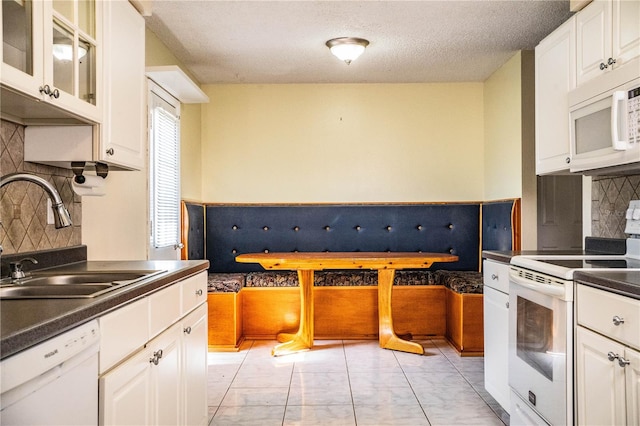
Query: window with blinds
164,174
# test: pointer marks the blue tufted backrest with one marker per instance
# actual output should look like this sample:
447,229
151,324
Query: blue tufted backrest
501,225
193,227
444,228
229,230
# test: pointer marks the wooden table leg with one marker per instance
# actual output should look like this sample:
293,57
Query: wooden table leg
303,339
387,336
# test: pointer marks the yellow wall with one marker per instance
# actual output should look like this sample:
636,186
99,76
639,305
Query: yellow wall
343,143
502,132
509,139
114,227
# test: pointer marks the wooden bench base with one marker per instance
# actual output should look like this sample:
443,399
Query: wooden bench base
347,313
225,321
465,323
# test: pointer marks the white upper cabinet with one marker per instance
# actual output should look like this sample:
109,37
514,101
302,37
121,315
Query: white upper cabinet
123,133
51,52
118,138
608,36
555,77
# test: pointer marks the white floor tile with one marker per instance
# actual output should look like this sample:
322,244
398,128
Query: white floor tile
325,415
249,416
240,397
403,415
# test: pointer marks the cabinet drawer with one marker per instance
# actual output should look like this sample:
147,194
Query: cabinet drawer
597,310
496,275
194,291
122,332
164,309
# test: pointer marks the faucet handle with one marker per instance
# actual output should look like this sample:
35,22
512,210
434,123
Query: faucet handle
16,267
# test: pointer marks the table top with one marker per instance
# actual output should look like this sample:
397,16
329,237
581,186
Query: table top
346,260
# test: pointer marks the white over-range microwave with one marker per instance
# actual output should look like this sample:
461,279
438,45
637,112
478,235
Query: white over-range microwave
605,124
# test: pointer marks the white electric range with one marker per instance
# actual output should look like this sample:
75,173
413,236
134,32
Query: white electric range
541,294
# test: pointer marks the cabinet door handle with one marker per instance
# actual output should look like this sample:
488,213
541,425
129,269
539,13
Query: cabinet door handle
156,357
611,356
494,277
110,151
623,362
199,292
617,320
55,94
611,61
603,66
507,305
567,160
45,89
187,330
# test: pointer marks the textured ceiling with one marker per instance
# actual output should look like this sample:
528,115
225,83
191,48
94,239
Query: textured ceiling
410,41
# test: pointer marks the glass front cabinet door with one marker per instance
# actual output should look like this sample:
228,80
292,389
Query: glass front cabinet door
51,52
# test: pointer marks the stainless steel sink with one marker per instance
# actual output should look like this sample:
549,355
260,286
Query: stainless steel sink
54,291
48,285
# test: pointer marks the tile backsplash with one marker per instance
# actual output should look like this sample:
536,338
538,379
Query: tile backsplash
23,205
610,198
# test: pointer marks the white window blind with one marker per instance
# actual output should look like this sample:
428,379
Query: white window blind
164,149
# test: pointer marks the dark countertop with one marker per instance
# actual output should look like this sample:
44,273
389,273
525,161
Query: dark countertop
505,256
24,323
615,281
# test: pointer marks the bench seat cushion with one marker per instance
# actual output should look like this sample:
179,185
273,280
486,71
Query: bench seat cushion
467,282
337,278
225,283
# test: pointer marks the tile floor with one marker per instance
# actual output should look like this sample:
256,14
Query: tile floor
346,382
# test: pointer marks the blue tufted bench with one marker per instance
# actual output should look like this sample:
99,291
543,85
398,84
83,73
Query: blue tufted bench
446,301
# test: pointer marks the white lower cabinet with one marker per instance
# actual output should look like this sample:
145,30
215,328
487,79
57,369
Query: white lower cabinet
165,380
194,331
139,391
607,370
496,331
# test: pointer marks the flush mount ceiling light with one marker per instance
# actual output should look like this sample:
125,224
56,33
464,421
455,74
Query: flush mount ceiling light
347,48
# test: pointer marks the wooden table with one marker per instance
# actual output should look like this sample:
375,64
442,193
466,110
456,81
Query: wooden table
306,263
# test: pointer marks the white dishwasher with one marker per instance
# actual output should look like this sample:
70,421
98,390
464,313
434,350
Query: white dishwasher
54,382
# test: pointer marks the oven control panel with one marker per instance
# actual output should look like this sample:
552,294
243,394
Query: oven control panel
633,229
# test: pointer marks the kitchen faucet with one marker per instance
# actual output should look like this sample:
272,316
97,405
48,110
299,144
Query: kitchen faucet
60,212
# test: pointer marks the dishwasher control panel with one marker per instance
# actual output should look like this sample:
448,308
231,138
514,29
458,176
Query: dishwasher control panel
32,362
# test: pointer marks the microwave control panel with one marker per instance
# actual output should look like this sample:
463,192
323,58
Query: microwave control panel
633,105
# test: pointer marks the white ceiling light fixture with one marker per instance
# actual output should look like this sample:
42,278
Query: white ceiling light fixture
347,49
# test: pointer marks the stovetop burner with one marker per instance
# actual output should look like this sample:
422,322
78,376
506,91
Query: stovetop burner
589,264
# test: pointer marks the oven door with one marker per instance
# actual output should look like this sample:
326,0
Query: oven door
539,328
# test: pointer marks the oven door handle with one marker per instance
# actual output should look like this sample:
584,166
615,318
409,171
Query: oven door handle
540,288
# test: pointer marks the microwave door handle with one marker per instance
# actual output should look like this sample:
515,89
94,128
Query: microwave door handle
618,121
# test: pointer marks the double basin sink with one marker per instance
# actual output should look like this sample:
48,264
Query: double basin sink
71,285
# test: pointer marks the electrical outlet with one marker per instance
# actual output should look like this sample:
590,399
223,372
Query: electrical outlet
50,220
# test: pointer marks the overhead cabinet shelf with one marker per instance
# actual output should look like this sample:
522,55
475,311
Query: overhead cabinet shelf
175,81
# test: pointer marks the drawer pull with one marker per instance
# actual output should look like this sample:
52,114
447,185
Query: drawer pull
187,330
617,320
611,356
494,277
199,292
